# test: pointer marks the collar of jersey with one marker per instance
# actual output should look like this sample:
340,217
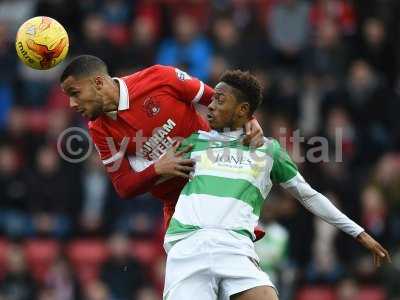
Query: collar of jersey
222,136
123,103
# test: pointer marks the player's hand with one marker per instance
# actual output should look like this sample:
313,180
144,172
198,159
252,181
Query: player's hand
173,163
254,134
259,232
380,254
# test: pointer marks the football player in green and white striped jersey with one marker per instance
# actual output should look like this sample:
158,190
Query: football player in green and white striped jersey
209,240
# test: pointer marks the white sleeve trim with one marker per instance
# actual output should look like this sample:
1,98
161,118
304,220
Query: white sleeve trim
320,206
115,157
138,164
199,93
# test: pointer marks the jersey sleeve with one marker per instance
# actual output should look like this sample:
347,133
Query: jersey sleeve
283,168
126,181
188,89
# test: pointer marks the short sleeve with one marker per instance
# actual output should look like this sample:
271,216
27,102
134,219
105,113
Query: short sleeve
283,168
188,89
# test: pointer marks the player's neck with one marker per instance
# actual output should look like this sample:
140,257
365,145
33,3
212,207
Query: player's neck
111,102
228,129
234,126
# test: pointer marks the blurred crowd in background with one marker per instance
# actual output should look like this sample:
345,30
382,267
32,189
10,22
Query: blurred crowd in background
324,65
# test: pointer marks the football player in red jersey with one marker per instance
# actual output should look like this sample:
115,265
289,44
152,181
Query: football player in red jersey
135,119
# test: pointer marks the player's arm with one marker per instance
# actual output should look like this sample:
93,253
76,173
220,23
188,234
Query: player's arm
132,176
285,172
126,181
185,87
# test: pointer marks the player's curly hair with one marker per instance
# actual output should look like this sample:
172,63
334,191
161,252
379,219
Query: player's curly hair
246,87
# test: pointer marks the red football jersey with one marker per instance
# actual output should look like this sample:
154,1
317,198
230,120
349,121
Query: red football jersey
155,108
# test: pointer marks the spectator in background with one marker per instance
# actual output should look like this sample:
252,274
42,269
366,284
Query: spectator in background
7,73
15,12
35,85
147,293
13,193
325,267
374,212
226,39
60,283
376,48
140,51
7,55
197,10
390,277
121,273
386,177
117,14
116,11
371,104
95,40
289,29
6,102
17,284
347,289
339,11
97,290
273,248
328,55
50,203
218,65
310,118
286,98
95,196
187,49
339,128
18,134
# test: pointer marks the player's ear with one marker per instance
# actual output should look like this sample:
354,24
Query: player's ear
244,109
98,82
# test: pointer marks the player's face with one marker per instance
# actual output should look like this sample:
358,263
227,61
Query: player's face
83,96
222,111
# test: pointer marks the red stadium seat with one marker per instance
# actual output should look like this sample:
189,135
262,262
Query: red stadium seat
40,255
86,257
3,256
316,293
371,293
145,251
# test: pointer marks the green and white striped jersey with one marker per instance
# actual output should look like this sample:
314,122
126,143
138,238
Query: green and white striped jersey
229,185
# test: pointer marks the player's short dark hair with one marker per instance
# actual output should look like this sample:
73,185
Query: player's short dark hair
84,65
246,87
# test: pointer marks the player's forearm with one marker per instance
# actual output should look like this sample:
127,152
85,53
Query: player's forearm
132,184
320,206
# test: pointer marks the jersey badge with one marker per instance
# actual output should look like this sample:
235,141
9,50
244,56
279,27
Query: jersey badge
151,107
182,75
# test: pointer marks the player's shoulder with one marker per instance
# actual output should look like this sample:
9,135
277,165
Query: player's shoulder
153,73
271,142
272,146
158,69
169,71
